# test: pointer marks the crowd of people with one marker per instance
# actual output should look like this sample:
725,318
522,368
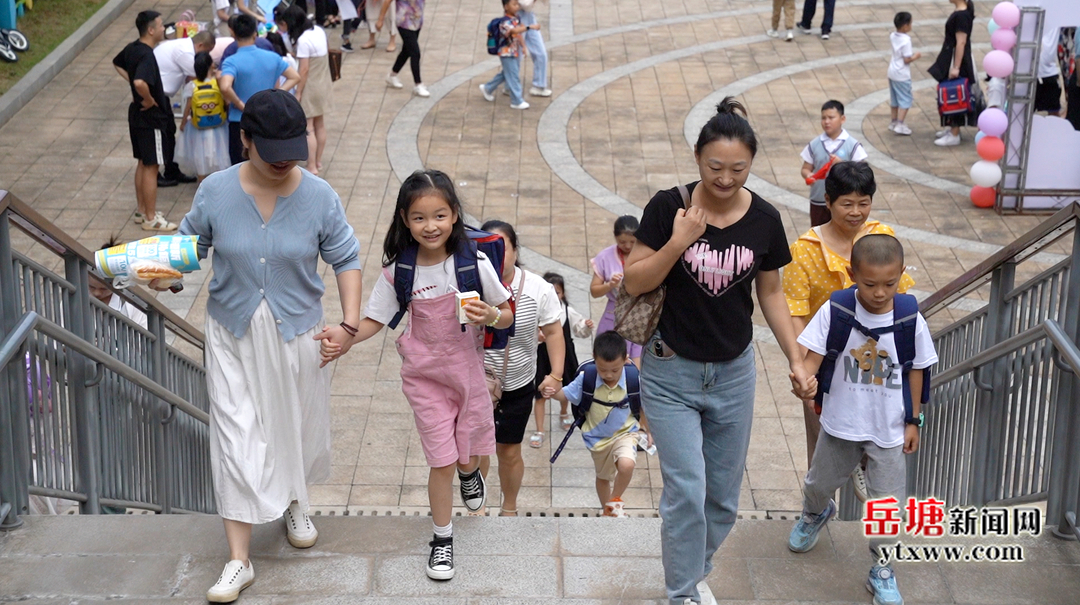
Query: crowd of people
489,343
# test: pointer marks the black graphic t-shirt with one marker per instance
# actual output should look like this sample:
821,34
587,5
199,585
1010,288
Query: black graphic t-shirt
707,310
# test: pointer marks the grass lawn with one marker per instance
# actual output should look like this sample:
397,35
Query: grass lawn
46,26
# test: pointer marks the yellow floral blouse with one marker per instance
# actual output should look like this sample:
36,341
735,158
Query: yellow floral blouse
816,271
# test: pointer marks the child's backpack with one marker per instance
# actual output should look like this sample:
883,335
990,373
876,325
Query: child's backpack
207,105
468,278
495,38
954,97
588,390
842,320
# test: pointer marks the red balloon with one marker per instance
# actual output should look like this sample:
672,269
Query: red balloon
990,148
983,197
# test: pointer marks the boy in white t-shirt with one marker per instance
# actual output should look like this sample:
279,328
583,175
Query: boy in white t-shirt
863,412
900,73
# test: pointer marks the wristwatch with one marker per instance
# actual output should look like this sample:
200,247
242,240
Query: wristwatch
916,421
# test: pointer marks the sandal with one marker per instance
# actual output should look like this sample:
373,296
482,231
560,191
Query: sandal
537,439
567,421
506,512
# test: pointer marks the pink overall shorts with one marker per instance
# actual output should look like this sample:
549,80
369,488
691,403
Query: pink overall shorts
442,376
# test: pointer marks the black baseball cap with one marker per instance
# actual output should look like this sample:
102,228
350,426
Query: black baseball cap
276,124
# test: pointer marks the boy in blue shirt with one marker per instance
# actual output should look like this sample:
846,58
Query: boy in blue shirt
864,412
610,428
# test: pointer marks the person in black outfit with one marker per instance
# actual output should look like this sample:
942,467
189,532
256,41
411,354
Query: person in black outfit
954,61
150,119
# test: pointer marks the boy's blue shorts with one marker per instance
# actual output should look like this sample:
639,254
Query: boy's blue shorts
900,94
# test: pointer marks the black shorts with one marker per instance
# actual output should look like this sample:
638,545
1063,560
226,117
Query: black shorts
152,146
1048,95
512,415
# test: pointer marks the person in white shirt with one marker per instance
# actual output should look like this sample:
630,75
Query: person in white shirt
900,98
864,412
1048,90
176,59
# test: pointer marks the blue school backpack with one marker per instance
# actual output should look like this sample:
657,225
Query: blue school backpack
468,277
588,390
495,38
842,321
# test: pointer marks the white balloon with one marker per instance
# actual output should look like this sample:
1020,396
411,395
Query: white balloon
985,174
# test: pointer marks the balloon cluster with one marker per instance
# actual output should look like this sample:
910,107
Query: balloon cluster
993,122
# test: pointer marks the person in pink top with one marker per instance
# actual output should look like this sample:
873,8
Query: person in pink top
442,367
608,273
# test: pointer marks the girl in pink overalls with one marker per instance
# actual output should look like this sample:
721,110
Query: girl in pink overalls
442,369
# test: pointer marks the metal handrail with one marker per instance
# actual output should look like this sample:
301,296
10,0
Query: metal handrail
31,321
1048,329
30,222
1028,245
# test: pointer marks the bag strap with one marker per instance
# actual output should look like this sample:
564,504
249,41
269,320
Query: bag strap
841,318
506,351
905,322
588,388
684,193
633,389
404,272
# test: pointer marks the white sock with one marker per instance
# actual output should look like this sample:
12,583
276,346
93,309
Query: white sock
444,532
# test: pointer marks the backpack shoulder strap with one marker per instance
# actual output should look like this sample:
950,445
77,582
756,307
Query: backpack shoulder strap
404,273
841,320
468,271
905,322
633,389
588,386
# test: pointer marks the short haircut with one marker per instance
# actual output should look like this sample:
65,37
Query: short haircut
243,26
609,346
505,2
833,104
144,19
878,250
850,177
901,19
201,38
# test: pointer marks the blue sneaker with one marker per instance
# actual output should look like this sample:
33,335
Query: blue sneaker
805,533
882,584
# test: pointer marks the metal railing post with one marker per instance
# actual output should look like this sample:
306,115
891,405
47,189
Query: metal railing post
1064,490
163,477
986,445
83,398
13,475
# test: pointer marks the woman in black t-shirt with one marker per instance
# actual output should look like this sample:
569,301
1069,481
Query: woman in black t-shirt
697,374
954,61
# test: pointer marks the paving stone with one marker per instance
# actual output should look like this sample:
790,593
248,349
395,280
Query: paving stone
598,577
474,576
146,576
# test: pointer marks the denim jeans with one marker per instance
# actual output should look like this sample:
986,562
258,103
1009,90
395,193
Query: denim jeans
810,7
534,43
508,76
699,415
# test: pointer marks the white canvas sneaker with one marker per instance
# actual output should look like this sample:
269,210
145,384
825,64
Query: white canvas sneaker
393,81
487,95
772,33
521,105
299,528
948,140
706,594
422,91
159,223
234,578
540,92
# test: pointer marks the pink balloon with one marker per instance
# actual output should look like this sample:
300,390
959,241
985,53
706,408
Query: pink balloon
1003,39
1006,14
998,63
993,122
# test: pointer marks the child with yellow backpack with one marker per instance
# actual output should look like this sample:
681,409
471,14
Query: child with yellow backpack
203,148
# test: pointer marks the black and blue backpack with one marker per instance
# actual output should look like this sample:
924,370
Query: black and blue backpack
842,321
495,38
580,410
468,277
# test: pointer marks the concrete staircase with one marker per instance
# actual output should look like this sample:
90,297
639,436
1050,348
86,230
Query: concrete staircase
154,559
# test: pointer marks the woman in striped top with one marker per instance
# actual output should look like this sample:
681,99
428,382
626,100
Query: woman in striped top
537,309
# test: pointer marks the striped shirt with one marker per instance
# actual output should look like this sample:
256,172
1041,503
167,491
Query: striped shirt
276,259
537,305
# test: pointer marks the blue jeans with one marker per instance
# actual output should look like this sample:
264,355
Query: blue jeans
699,415
808,10
534,42
508,76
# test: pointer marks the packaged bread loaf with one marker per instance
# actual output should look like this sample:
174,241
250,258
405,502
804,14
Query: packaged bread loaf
164,258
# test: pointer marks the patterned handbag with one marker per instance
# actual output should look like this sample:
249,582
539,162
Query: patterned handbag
637,317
